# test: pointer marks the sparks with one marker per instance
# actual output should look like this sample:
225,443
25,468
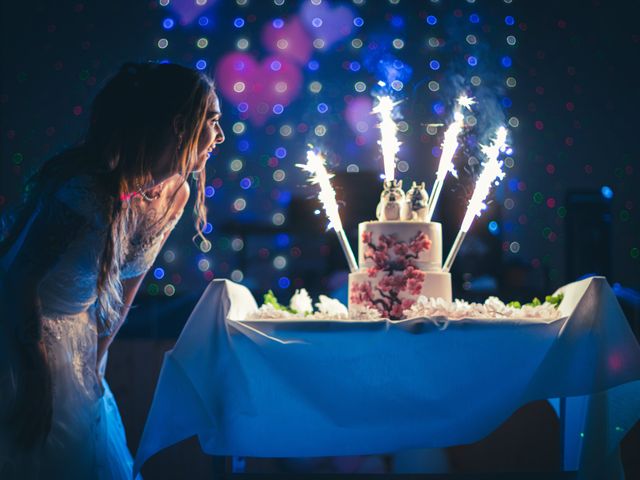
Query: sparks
320,176
388,142
449,147
466,102
316,166
491,172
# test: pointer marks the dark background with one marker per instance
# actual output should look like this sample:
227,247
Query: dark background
576,99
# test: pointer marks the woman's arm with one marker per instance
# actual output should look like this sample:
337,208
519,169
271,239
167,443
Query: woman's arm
131,286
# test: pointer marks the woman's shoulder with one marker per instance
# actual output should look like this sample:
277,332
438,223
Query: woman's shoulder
182,192
163,212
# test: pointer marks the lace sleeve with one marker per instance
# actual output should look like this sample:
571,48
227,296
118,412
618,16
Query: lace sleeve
145,244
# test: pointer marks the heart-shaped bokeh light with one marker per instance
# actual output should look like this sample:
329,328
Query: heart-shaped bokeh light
287,38
326,23
259,89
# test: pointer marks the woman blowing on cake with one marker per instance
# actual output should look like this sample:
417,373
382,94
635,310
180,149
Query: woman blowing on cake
71,262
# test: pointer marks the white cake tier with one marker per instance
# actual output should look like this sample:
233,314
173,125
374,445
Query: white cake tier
396,243
393,292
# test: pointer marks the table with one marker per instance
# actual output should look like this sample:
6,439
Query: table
328,388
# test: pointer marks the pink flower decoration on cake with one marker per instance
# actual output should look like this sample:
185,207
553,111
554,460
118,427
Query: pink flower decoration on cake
395,261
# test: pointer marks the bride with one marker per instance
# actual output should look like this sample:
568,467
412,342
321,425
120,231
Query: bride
73,256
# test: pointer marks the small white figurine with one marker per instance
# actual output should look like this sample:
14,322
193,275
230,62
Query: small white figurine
391,200
415,204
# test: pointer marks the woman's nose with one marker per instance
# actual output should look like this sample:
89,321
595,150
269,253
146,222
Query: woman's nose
220,135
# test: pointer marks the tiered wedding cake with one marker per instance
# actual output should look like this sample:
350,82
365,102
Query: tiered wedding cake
400,255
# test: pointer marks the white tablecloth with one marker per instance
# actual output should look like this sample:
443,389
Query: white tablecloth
317,388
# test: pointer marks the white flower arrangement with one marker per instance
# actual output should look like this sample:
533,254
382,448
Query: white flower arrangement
301,307
493,307
301,302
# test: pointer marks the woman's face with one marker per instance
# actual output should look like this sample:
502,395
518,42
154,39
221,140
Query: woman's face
211,133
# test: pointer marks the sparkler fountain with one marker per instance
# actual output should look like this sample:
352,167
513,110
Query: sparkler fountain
319,176
491,171
449,147
388,142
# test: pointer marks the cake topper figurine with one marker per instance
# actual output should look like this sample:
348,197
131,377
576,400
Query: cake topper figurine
391,201
415,204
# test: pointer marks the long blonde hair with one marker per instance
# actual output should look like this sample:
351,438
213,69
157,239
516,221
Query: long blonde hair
130,119
128,149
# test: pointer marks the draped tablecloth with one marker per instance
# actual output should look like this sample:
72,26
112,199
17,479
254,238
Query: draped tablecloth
326,388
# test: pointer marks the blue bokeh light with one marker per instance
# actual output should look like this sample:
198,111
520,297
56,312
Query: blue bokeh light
208,228
509,20
168,23
278,23
431,20
397,21
358,21
275,65
313,65
285,197
278,108
245,183
474,18
506,61
284,282
209,191
158,273
238,22
243,107
606,192
281,152
282,240
472,61
201,64
493,227
434,65
323,107
243,145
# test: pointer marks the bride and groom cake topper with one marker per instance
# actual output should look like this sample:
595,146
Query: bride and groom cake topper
396,205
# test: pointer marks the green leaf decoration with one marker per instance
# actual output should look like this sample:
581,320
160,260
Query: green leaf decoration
271,299
555,300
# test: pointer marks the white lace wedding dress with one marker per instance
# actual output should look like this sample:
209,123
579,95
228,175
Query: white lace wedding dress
87,438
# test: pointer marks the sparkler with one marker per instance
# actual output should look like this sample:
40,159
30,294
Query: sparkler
449,147
491,171
388,142
319,176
